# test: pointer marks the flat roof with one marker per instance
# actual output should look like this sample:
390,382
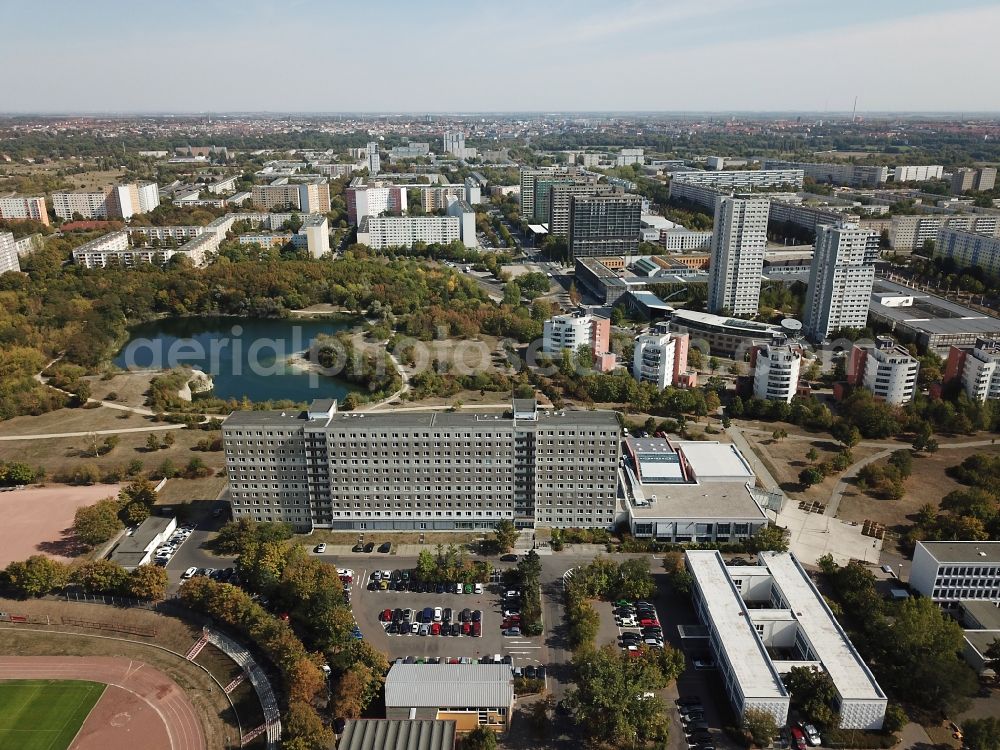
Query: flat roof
738,639
928,313
657,459
719,500
981,639
409,420
398,734
963,552
713,461
733,324
449,686
850,674
987,613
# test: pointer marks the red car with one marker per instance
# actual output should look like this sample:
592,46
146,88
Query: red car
347,580
511,623
477,629
466,628
798,738
386,615
649,623
436,629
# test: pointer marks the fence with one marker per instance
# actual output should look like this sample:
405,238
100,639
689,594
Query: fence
114,627
114,601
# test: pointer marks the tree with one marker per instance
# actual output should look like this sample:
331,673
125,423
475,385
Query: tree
260,564
147,582
236,535
168,439
100,577
992,655
779,434
97,523
480,738
770,538
305,729
982,734
760,726
506,534
636,581
37,576
812,454
810,475
427,568
813,691
347,700
152,443
895,718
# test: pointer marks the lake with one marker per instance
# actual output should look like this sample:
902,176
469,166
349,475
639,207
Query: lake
245,357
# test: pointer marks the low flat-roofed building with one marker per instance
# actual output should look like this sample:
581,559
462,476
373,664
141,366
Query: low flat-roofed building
710,461
725,336
928,321
981,623
398,734
684,491
137,548
787,624
749,675
952,572
470,695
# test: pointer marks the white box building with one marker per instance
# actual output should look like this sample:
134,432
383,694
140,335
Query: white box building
950,572
380,232
787,624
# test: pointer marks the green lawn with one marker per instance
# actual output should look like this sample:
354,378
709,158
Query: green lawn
44,714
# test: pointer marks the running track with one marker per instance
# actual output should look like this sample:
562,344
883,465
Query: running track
149,685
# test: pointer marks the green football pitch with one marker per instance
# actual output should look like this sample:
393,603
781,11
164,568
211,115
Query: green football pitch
44,714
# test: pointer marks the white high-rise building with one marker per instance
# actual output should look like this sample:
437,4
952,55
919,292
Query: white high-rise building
454,143
979,369
8,253
884,368
840,279
739,238
374,163
659,357
776,372
917,173
18,207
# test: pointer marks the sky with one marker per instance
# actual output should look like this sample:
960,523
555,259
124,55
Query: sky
512,55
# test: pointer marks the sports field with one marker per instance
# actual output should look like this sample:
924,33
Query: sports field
44,714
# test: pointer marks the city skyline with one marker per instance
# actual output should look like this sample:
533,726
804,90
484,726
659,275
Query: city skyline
643,57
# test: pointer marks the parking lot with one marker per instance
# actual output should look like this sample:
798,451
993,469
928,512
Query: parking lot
701,688
369,605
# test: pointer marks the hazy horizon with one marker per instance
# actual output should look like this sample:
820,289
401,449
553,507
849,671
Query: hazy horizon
642,56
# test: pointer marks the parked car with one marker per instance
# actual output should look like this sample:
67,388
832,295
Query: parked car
466,628
508,558
438,614
358,548
512,632
458,588
466,615
386,615
477,615
812,735
370,547
798,738
436,628
477,629
706,663
478,588
385,547
424,628
427,615
446,614
189,573
321,548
